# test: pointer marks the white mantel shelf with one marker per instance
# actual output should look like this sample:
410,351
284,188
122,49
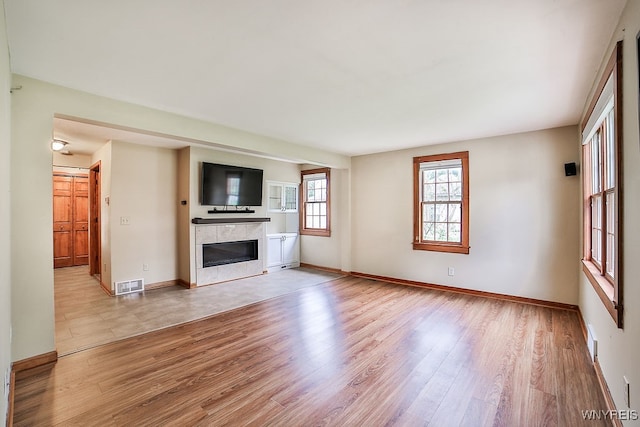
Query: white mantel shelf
227,220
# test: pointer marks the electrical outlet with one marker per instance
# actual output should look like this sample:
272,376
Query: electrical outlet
626,392
125,220
145,267
452,271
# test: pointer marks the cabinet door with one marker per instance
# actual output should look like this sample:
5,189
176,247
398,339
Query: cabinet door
275,197
282,197
274,250
290,249
290,198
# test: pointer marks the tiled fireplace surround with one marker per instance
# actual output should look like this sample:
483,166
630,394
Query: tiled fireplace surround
228,232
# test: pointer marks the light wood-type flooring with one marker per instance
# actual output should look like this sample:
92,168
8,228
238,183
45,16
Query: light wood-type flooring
348,352
86,316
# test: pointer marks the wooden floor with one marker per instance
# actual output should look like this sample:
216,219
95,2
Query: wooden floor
347,352
86,316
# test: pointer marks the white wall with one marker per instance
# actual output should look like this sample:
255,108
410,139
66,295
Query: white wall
5,226
32,112
144,189
524,219
619,349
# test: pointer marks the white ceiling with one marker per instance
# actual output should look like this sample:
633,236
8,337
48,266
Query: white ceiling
352,77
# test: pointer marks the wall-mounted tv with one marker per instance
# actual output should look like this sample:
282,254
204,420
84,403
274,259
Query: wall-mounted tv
224,185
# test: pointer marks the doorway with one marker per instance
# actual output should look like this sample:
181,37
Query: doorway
95,255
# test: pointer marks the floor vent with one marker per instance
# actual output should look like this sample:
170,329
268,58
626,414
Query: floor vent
129,286
592,342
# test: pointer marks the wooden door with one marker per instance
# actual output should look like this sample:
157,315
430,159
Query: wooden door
94,220
81,220
62,221
70,220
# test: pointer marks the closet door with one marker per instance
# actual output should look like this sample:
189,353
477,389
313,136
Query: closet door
81,220
62,221
70,220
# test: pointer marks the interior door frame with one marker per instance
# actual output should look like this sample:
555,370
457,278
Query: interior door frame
95,225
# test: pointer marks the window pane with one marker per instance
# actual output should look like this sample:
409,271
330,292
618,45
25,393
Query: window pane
610,153
429,212
429,176
442,175
428,231
595,163
429,193
595,249
596,226
455,191
454,233
611,248
441,232
455,175
455,210
441,212
442,192
323,222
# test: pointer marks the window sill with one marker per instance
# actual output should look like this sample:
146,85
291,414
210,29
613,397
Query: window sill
604,289
321,233
441,247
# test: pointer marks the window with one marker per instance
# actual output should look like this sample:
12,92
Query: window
441,202
601,159
315,215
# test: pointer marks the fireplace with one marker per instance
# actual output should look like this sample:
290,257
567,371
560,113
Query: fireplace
228,249
214,254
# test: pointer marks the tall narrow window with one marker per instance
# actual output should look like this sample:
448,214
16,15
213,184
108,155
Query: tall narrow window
601,136
315,215
441,202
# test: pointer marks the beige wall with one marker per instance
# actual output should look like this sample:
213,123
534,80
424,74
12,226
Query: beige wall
619,349
103,158
74,161
333,251
144,189
524,219
184,217
32,112
5,227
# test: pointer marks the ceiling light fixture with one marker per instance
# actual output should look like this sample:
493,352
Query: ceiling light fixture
58,144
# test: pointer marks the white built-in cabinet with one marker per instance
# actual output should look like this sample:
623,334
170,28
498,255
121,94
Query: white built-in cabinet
282,196
283,251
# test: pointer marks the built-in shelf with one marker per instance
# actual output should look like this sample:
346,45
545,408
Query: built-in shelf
227,220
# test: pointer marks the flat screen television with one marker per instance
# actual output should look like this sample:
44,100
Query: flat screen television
224,185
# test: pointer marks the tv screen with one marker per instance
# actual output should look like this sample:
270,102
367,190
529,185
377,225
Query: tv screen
224,185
